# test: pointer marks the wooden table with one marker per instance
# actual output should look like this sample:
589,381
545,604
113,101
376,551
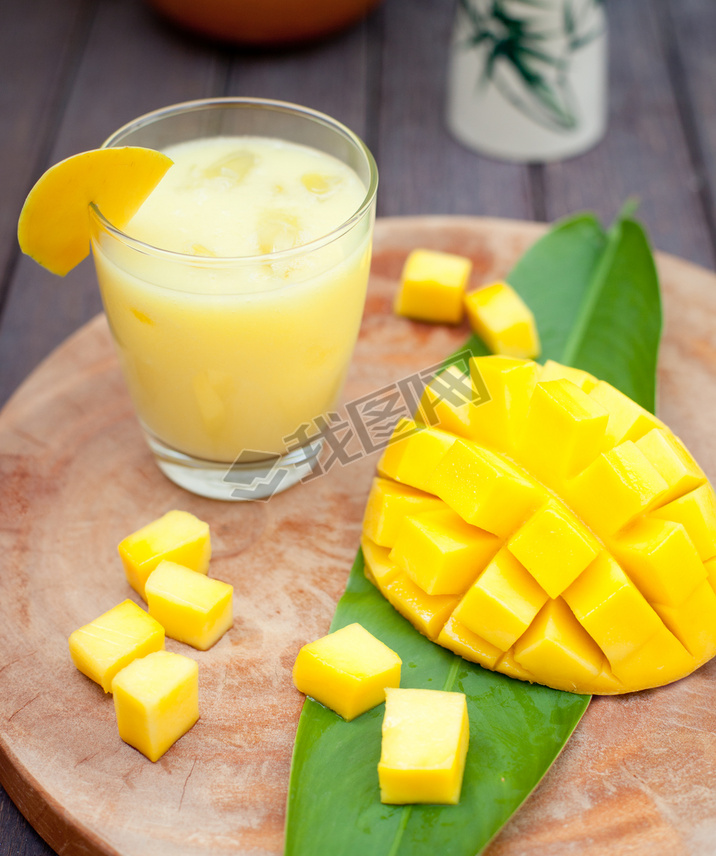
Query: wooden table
74,71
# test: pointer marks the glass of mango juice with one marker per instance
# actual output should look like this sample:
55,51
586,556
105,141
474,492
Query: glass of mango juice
236,292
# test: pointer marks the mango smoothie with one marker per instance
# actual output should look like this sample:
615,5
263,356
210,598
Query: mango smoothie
235,326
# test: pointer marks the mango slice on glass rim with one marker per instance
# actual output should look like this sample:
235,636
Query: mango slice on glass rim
54,224
599,533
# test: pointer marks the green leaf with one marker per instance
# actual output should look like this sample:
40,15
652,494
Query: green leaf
596,302
617,337
516,731
595,297
555,274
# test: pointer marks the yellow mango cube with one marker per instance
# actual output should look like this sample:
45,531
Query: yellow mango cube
347,670
449,402
484,489
424,745
377,564
191,607
611,609
460,639
662,655
554,547
696,511
649,552
556,644
106,645
509,383
440,552
503,321
388,505
670,459
503,601
156,700
556,371
178,536
564,431
624,475
426,612
627,419
413,453
692,620
509,666
432,287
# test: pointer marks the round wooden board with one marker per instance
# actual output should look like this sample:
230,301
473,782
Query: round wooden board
75,478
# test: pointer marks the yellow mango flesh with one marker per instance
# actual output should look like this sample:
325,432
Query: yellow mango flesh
106,645
191,607
178,537
597,566
347,670
425,738
54,224
432,287
156,700
503,321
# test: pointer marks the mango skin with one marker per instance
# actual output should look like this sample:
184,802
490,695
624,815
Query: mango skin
602,575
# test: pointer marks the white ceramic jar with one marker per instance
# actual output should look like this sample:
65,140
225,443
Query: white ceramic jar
528,78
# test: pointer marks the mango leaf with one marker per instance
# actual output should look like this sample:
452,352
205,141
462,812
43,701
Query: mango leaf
596,301
595,298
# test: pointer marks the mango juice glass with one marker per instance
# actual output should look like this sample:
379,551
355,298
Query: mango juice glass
230,360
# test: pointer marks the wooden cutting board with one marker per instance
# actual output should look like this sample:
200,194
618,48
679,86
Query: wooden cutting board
75,478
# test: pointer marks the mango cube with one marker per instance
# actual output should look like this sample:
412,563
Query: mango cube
696,511
347,670
426,612
556,371
611,609
502,603
484,489
106,645
564,431
459,638
503,321
650,550
449,401
413,453
627,419
440,552
178,536
190,607
555,547
499,423
425,738
627,477
432,287
557,644
377,564
156,700
669,457
388,504
692,621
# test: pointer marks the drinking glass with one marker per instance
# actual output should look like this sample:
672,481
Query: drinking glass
232,362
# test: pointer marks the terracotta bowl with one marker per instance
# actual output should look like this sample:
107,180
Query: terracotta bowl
265,22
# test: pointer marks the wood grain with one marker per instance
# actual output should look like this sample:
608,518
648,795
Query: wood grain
75,478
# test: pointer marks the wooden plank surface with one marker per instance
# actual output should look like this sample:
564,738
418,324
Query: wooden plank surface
71,72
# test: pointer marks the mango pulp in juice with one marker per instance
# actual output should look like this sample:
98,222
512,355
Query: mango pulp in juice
228,347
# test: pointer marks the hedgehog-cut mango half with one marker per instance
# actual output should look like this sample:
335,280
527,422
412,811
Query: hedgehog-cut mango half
557,533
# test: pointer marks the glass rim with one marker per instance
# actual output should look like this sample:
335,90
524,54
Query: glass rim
240,101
